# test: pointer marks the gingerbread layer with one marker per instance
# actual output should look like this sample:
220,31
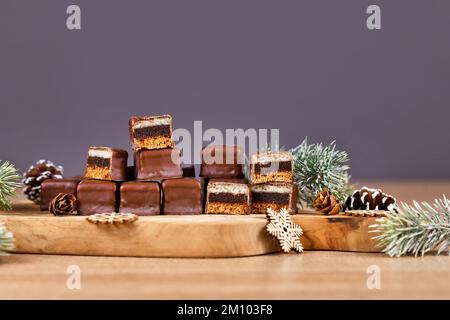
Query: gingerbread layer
227,208
150,143
100,173
282,176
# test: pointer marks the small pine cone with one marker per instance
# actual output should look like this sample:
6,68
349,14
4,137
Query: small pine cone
36,174
370,199
327,203
62,204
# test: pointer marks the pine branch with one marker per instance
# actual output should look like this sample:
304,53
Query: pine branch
318,167
9,181
6,240
416,229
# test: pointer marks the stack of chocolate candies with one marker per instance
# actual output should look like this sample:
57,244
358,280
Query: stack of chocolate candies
155,184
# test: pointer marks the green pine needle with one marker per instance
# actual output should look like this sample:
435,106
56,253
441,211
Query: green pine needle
9,181
317,167
416,229
6,240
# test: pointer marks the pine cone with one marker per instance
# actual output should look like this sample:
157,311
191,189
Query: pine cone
36,174
62,204
370,199
327,203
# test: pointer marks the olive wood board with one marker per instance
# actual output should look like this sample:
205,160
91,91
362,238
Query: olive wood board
177,235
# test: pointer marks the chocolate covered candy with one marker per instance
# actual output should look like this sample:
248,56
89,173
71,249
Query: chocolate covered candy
141,198
227,198
50,188
182,196
151,132
222,161
157,164
106,164
274,195
271,167
95,196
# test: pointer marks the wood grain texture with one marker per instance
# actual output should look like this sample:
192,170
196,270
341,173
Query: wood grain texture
311,275
178,236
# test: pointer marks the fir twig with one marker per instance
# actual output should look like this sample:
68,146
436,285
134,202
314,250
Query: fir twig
9,181
416,229
6,240
317,167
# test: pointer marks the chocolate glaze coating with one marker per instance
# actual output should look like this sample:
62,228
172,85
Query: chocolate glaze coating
50,188
157,164
119,165
141,198
182,196
95,196
222,169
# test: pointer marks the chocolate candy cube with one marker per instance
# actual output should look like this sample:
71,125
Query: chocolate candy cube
157,164
94,196
141,198
106,164
182,196
50,188
222,161
153,132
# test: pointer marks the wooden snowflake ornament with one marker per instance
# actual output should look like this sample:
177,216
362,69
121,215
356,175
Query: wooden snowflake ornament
287,233
112,218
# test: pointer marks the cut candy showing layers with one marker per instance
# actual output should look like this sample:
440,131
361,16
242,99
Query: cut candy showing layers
274,195
271,167
105,163
227,198
151,132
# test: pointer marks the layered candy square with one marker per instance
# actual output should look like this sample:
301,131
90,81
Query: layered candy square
222,161
105,163
151,132
182,196
158,164
95,196
141,198
227,197
271,167
276,196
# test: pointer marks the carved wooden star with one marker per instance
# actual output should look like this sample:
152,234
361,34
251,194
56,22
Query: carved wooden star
287,233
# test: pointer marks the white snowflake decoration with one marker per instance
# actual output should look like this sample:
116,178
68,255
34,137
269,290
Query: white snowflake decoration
288,233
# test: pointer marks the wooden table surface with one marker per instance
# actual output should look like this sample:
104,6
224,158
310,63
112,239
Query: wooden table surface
311,275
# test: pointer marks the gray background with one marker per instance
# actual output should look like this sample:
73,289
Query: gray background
306,67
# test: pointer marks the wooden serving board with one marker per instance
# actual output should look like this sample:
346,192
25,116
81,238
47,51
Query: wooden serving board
178,236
